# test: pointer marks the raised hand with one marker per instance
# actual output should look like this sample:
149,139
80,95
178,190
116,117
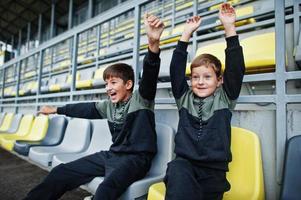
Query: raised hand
154,28
191,25
46,110
227,17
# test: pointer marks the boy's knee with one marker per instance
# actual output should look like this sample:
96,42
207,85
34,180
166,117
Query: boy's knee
178,165
56,173
57,169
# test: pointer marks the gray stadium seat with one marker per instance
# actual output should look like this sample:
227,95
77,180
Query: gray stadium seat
77,138
165,63
165,139
101,140
54,136
14,124
291,172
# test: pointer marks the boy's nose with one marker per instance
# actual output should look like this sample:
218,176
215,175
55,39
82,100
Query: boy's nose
108,87
201,80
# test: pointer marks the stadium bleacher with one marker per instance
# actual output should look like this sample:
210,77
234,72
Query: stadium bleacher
268,105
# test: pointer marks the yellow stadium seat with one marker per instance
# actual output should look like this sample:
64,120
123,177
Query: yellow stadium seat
175,33
30,74
82,59
60,86
6,122
216,49
184,6
245,171
24,129
99,73
61,65
98,77
82,84
257,60
8,91
37,132
55,88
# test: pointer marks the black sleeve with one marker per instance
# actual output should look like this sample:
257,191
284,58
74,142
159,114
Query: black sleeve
80,110
151,67
177,70
235,68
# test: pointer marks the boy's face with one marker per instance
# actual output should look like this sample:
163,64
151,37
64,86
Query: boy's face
117,90
204,81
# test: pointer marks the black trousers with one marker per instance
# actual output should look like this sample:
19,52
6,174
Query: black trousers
119,170
184,180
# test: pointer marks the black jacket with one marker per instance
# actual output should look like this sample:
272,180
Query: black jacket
132,123
204,129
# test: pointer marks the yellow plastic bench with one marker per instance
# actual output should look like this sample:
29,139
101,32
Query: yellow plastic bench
245,171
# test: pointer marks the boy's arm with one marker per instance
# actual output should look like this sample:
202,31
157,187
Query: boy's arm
179,58
177,70
235,66
80,110
151,63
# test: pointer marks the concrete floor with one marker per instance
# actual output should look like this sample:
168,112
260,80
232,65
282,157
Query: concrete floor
18,177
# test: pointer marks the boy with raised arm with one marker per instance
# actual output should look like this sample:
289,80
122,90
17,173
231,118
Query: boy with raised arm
131,120
202,142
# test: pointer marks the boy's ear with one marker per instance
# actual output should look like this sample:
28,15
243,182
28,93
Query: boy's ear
220,81
129,84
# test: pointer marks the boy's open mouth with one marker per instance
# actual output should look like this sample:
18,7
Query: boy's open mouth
113,94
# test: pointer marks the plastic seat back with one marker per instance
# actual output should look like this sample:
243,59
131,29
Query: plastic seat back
77,135
245,171
2,115
101,136
165,146
259,59
14,124
56,131
291,173
24,128
98,77
38,129
6,121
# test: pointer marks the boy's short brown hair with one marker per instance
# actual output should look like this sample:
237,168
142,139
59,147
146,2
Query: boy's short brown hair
120,70
207,60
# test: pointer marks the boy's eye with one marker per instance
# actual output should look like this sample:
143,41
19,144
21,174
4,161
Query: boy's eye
207,76
195,78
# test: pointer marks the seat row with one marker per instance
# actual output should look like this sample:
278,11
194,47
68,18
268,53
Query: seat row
55,140
69,139
256,59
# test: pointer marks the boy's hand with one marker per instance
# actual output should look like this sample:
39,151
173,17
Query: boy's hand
227,16
191,25
154,28
46,110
